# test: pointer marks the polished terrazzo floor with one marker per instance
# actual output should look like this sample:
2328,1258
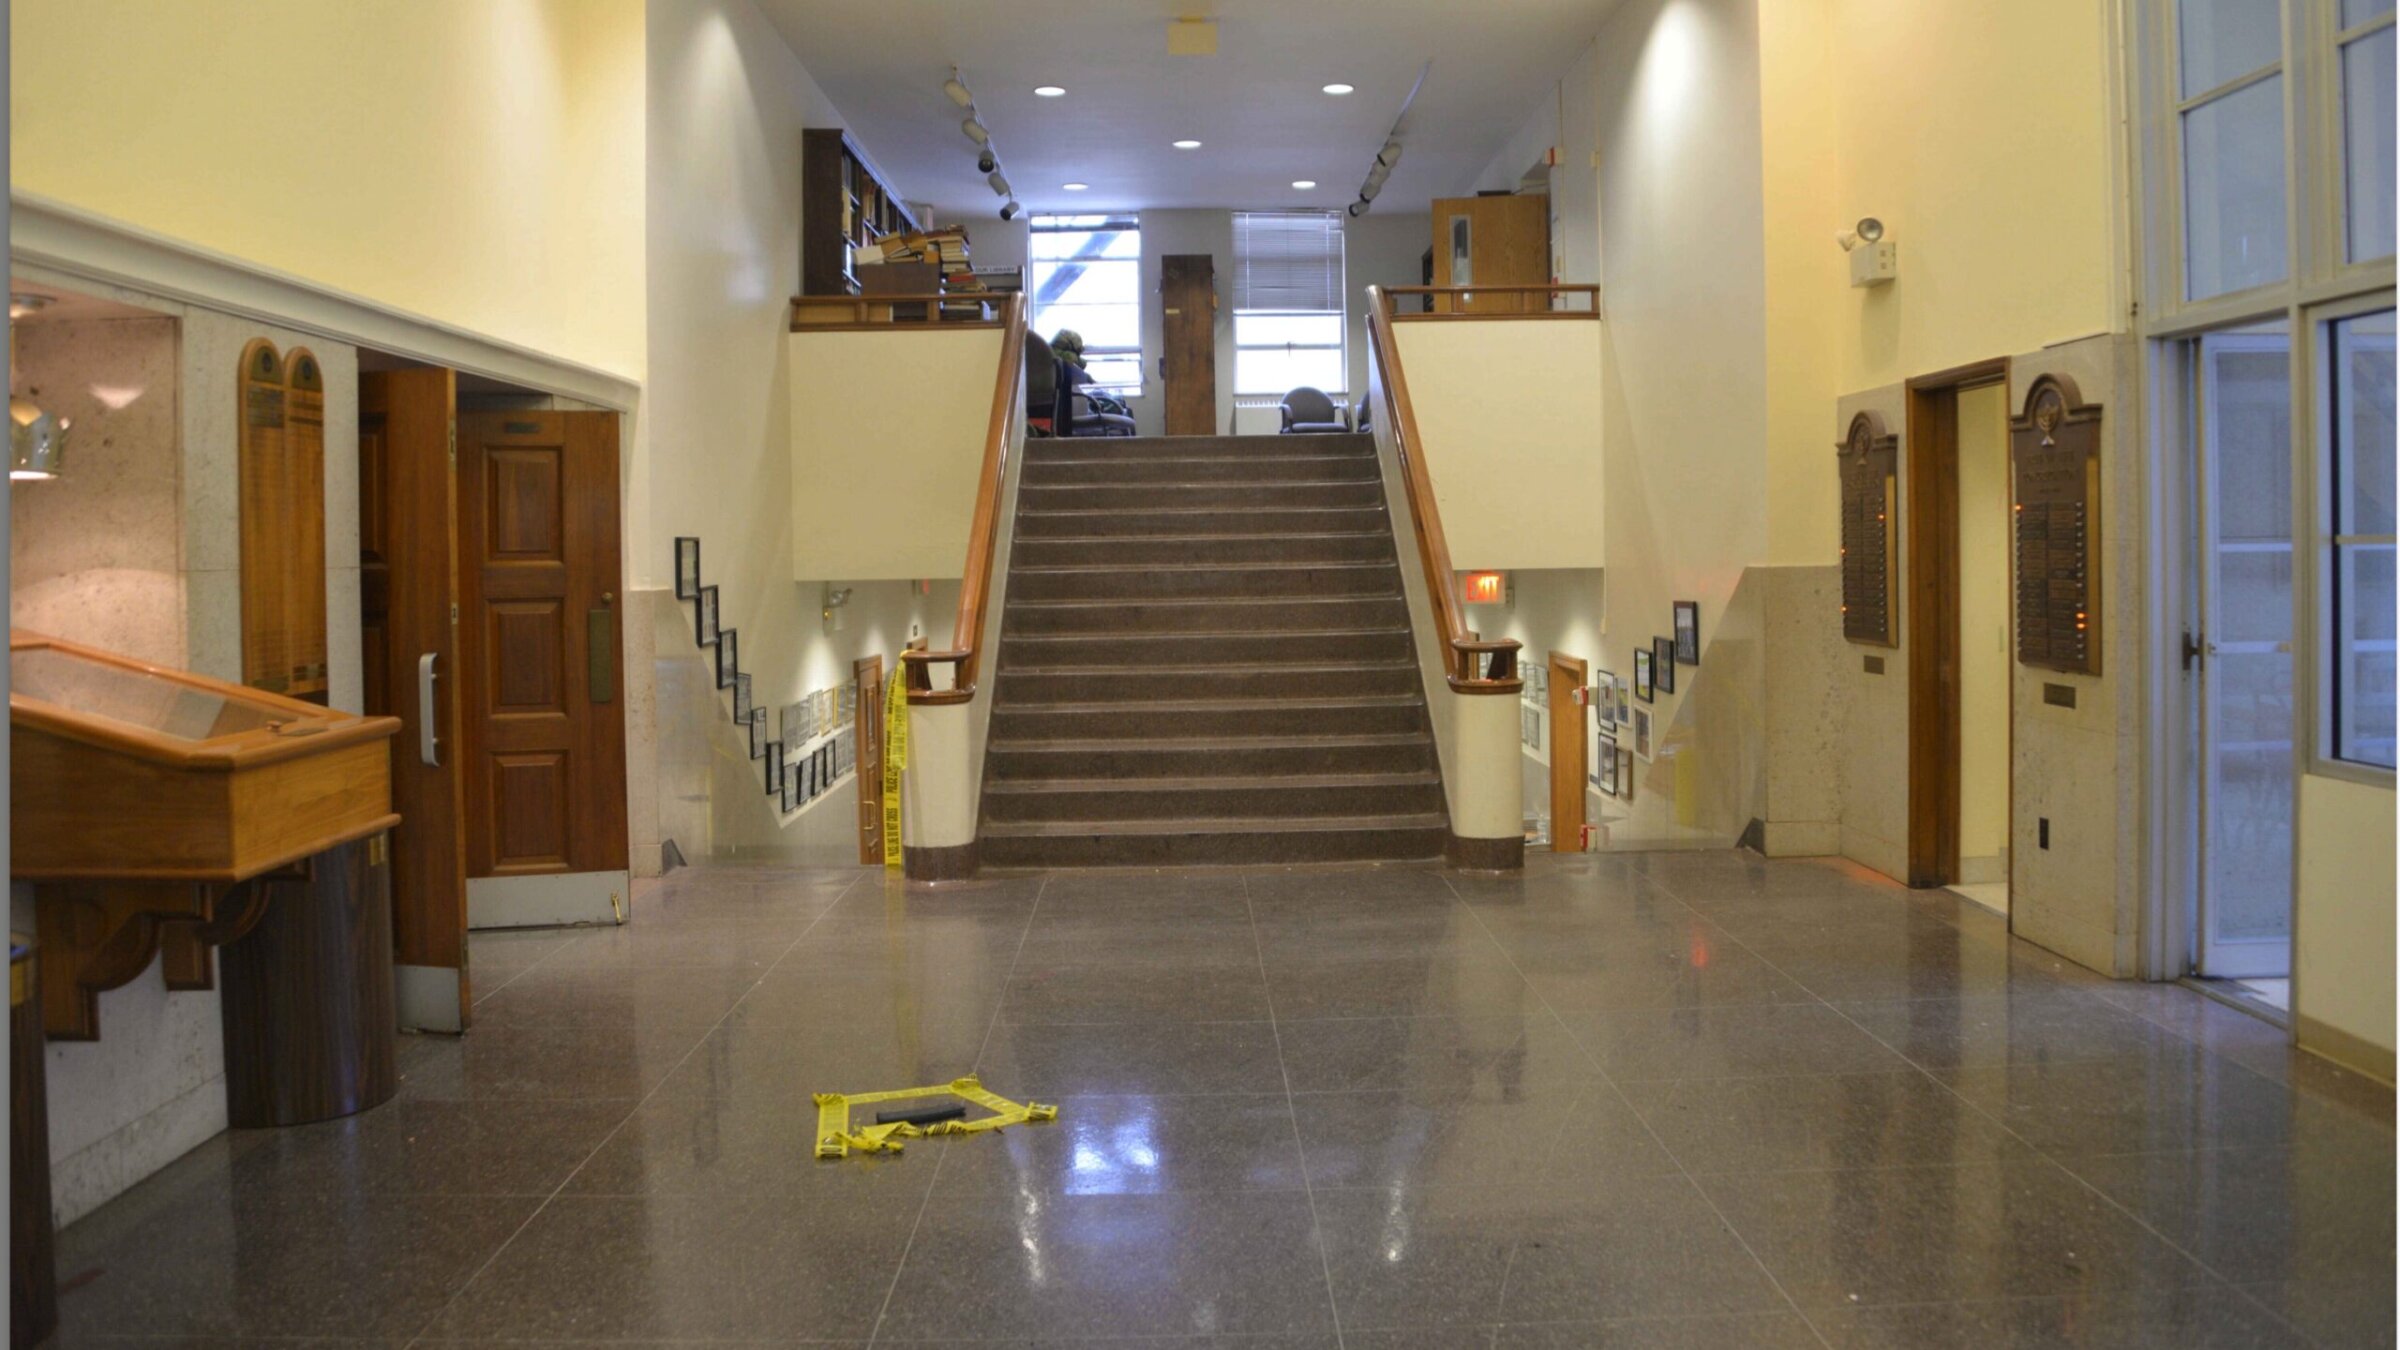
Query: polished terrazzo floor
1663,1100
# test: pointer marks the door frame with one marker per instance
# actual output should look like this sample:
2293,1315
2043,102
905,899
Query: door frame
1568,675
1930,553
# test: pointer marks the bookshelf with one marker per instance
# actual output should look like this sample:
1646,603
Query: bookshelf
844,204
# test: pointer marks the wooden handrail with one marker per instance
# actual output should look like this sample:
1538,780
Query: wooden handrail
1463,654
1448,302
983,534
856,311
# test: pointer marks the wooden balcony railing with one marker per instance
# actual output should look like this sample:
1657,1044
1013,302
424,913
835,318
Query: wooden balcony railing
1410,304
1473,666
974,587
838,313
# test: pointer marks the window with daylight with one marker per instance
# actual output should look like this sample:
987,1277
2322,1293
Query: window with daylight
1085,273
2359,537
1287,303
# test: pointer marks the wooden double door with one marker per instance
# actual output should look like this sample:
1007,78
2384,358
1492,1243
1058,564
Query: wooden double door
490,567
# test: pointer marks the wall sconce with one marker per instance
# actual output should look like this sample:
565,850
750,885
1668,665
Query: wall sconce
37,441
837,599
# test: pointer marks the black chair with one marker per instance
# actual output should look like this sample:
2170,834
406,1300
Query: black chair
1041,385
1075,415
1309,410
1359,417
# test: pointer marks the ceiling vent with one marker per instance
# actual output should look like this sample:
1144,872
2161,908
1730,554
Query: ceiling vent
1191,37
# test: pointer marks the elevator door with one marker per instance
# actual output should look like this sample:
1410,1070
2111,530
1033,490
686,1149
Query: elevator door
2243,652
541,647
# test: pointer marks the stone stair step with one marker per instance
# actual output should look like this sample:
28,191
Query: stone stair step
1297,797
1149,496
1154,518
1110,471
1170,843
1376,714
1282,615
1043,448
1150,550
1101,684
1204,580
1202,756
1056,650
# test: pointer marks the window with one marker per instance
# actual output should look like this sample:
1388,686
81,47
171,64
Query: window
1287,303
1086,274
2367,54
2359,439
2230,112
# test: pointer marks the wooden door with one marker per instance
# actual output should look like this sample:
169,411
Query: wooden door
1493,241
408,589
541,646
868,752
1567,753
1187,297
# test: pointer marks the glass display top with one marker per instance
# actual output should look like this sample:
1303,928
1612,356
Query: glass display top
149,702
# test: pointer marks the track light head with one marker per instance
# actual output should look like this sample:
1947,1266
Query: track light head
998,181
1010,211
976,131
958,92
987,161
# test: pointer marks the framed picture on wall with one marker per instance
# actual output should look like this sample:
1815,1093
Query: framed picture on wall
1624,775
1641,734
1604,697
1687,632
791,792
757,725
729,658
1624,701
704,617
1643,663
1606,760
775,770
687,568
1662,664
741,697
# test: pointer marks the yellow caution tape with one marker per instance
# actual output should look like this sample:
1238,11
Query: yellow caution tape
835,1137
895,760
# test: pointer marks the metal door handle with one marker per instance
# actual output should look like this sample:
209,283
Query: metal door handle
428,745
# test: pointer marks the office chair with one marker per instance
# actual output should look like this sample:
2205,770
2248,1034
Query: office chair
1360,418
1075,416
1041,385
1309,410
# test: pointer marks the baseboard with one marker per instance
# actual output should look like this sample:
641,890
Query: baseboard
1487,855
955,863
2344,1048
548,899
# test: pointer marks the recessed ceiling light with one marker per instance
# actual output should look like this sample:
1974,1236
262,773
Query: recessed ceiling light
1074,187
1048,90
1187,145
1304,184
1337,90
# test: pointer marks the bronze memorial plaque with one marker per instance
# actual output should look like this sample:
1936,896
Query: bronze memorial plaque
1869,459
2055,446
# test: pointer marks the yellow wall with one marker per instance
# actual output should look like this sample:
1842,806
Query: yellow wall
2343,937
887,449
478,162
1984,658
1979,132
1518,479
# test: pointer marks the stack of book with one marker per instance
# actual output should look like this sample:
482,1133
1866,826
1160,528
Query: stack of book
947,246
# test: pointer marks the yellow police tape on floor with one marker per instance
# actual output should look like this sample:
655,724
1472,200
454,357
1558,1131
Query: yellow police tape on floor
835,1138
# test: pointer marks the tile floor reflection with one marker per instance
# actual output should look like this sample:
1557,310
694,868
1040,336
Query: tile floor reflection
1672,1099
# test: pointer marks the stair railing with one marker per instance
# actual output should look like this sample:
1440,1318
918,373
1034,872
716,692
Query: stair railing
1474,666
964,654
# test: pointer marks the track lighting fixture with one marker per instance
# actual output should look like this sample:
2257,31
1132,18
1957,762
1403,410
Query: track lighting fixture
1010,211
1388,154
987,161
957,92
998,181
976,131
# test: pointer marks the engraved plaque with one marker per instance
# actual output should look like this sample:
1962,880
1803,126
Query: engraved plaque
2055,449
1870,459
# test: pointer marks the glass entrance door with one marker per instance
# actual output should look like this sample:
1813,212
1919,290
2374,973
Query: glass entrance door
2245,655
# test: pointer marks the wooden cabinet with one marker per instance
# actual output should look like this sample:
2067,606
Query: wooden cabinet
843,203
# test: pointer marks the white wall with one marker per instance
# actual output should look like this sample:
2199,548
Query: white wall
887,446
1378,249
2343,933
1510,418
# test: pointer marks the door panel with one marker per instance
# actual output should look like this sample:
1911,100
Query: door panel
545,738
1187,293
2245,531
1493,241
1567,753
408,582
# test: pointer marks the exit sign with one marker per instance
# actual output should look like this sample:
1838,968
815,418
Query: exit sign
1483,588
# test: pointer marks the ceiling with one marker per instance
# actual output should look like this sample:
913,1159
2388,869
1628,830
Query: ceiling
1257,105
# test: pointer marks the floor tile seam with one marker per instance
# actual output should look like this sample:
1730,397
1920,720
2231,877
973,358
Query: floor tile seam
934,1182
605,1140
1681,1171
1316,1223
2052,1160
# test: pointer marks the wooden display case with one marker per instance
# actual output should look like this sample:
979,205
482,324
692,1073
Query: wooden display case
843,203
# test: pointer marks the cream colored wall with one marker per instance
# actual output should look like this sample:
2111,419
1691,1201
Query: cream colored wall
887,439
2343,935
505,139
1985,565
1806,295
1518,478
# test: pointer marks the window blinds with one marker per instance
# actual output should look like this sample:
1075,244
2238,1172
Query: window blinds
1287,260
